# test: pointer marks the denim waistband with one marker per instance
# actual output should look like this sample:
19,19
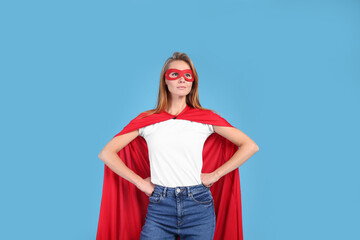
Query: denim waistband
180,190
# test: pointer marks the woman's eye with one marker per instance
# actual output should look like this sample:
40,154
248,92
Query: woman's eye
188,75
173,74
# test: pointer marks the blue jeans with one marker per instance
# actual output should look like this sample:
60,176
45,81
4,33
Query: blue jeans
186,211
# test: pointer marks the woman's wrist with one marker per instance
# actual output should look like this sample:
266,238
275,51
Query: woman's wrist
217,174
139,182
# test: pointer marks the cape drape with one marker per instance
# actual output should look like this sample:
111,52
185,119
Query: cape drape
123,206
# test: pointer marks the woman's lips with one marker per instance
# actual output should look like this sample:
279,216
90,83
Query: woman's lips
181,87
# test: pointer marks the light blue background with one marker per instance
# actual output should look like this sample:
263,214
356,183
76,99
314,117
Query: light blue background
286,73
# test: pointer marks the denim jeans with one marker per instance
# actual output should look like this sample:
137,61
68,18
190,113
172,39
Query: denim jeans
186,211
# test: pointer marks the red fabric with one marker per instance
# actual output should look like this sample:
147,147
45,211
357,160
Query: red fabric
123,206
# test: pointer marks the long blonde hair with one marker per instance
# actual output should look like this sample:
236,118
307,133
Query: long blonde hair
192,99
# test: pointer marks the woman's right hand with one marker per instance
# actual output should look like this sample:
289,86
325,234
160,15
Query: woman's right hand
147,186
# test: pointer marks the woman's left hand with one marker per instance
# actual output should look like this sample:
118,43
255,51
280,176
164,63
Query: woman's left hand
208,179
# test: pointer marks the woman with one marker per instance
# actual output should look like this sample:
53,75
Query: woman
180,201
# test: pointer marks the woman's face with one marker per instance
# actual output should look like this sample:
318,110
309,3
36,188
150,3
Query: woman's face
179,87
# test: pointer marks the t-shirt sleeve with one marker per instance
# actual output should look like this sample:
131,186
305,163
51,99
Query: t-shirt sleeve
141,132
211,128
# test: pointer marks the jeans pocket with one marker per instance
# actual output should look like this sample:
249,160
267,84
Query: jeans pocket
202,197
155,197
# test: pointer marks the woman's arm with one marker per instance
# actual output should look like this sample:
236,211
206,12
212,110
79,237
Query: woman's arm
109,156
247,148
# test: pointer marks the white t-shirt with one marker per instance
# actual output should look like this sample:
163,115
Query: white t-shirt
175,149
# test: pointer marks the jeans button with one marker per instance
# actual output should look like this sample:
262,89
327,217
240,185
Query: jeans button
178,190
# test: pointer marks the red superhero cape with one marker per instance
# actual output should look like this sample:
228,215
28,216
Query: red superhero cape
123,206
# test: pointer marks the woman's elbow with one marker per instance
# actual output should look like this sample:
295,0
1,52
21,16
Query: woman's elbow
101,155
253,146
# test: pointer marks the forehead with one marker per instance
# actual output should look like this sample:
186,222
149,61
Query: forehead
179,64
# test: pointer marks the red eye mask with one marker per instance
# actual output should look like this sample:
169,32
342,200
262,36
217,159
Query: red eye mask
173,74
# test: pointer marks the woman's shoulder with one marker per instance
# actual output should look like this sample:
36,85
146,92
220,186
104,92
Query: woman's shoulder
208,111
145,113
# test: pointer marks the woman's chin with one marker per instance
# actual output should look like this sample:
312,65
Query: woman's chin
181,94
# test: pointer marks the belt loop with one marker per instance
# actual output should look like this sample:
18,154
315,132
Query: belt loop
164,192
188,189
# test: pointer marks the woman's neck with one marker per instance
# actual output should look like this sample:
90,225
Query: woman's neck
175,108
